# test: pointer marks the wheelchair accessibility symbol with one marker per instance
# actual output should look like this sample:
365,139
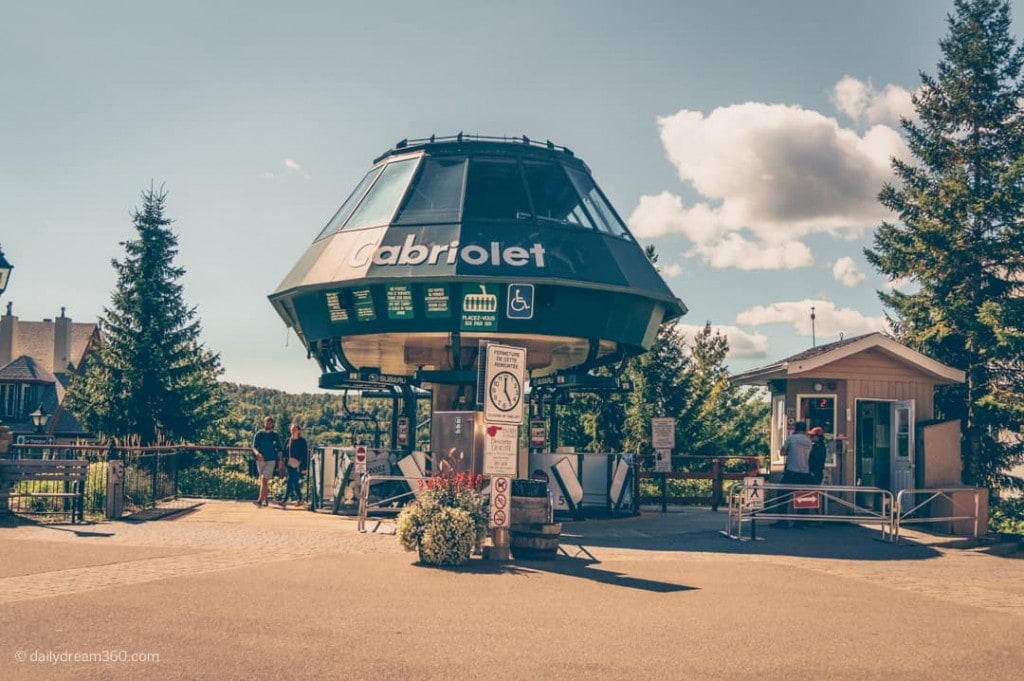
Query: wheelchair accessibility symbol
520,301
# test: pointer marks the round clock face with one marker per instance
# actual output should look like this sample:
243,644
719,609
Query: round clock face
505,391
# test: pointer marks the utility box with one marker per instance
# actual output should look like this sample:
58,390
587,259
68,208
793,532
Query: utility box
457,441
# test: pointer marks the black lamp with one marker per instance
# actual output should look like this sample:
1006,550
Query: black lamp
5,271
39,418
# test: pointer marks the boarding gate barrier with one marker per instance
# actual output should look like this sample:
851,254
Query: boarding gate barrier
834,503
772,501
911,502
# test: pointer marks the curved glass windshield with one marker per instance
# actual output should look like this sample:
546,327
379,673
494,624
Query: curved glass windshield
554,198
495,191
605,217
436,193
383,197
346,208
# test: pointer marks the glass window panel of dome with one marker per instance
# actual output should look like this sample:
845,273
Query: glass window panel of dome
436,193
554,198
383,197
495,191
607,220
346,208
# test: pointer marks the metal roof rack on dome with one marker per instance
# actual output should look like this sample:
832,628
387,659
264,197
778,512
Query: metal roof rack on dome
407,144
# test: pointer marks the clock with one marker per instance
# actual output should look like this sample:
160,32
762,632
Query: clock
818,387
505,391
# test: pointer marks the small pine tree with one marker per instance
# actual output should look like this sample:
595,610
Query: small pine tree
151,377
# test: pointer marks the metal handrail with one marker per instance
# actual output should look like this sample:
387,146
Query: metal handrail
738,513
901,517
366,481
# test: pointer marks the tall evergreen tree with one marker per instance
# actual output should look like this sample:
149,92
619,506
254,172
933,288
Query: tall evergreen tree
151,377
960,236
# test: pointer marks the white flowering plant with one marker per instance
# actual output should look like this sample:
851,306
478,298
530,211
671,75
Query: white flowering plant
447,523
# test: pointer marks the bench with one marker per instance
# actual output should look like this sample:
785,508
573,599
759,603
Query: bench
70,474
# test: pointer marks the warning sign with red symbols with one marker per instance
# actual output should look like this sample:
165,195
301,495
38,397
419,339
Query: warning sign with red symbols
360,459
499,500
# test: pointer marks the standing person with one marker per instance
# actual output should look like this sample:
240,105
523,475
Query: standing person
296,456
816,459
797,450
266,445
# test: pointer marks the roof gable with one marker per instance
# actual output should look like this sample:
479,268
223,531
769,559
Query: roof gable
25,369
814,362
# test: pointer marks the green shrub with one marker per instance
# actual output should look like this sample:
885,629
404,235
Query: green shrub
1007,516
446,523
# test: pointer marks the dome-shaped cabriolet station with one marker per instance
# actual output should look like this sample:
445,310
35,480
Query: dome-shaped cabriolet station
448,242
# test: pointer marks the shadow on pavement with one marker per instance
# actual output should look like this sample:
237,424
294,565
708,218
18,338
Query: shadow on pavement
703,535
573,566
13,520
564,564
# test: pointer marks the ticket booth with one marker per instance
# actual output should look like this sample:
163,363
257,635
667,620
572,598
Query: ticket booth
868,394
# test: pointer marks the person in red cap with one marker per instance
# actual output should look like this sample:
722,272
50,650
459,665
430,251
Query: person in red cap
816,459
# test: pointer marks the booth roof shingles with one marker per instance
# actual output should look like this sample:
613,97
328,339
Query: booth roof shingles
806,364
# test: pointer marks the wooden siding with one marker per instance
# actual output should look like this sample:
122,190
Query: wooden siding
873,365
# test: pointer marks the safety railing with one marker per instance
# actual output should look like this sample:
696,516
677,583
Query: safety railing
415,484
836,503
909,507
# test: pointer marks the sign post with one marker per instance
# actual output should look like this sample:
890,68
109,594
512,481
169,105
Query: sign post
663,440
501,517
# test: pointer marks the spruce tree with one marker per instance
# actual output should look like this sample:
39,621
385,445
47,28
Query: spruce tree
151,377
960,235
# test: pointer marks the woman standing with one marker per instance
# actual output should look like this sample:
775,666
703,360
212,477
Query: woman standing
296,457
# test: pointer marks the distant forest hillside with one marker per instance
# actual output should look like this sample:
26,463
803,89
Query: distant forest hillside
323,417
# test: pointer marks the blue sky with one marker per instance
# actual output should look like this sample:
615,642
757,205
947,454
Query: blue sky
746,140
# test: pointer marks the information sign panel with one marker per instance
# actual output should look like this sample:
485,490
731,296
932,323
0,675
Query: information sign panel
399,301
663,432
501,449
663,464
480,308
437,302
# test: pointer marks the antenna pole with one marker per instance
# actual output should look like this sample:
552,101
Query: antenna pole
814,340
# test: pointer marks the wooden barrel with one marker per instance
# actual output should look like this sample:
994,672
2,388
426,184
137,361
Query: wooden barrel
529,502
535,541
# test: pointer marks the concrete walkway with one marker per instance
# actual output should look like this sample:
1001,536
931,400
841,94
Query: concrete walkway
230,591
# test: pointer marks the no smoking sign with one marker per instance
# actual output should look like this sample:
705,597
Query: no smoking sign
499,501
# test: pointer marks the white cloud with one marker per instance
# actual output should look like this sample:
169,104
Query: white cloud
672,269
862,103
830,321
845,271
293,167
899,284
769,175
741,343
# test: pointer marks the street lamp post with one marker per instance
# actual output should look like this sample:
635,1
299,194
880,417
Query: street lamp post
5,271
39,419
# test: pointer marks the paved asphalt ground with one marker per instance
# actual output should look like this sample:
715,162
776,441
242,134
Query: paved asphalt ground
229,591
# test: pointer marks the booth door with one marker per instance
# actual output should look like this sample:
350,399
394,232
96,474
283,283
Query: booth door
902,446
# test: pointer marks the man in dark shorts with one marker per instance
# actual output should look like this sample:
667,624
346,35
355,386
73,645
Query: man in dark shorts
266,445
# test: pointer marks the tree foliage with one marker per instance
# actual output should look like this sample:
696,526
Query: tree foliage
683,378
960,236
151,378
